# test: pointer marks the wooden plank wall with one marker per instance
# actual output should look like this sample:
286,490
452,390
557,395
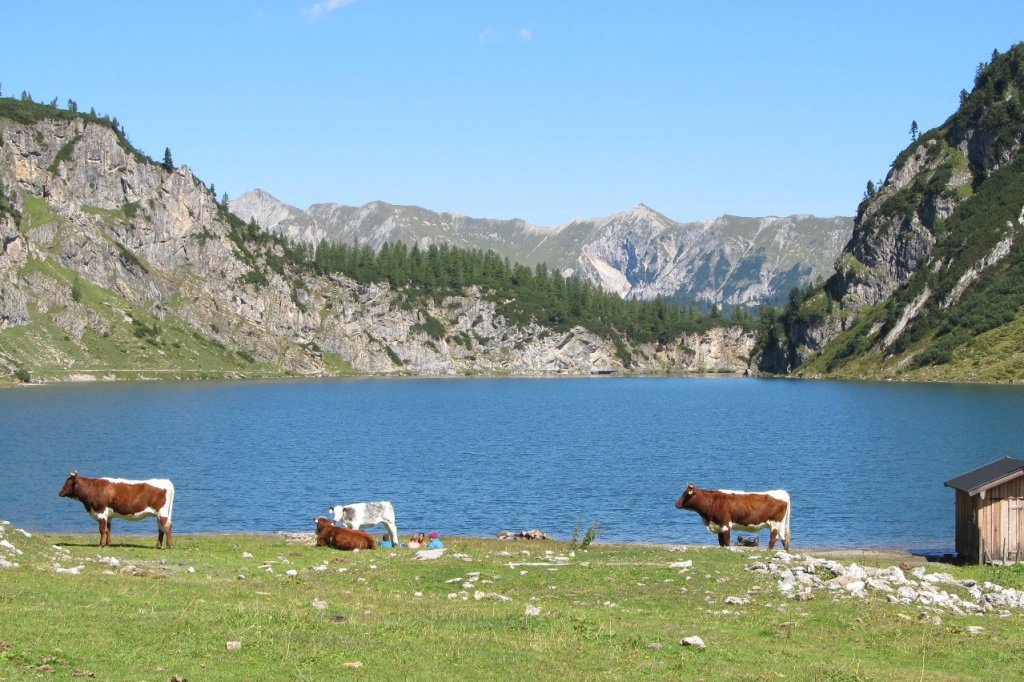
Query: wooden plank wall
999,521
967,526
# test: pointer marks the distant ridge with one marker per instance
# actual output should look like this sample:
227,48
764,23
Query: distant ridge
639,253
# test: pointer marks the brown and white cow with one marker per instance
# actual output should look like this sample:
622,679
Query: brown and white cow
105,498
339,537
724,510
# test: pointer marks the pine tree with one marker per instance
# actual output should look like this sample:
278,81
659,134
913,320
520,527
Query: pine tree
913,131
869,191
168,163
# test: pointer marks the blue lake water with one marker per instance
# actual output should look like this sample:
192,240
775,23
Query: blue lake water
863,462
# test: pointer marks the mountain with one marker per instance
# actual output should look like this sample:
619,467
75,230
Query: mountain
931,283
639,254
115,266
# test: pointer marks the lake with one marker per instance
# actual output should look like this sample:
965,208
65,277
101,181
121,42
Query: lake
863,462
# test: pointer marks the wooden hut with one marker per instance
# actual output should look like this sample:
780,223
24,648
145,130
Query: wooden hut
990,512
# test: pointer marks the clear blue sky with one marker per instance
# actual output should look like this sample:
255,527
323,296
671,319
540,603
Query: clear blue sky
536,109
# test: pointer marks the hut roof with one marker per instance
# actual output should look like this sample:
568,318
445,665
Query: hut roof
988,476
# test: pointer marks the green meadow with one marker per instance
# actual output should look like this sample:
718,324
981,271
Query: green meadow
487,609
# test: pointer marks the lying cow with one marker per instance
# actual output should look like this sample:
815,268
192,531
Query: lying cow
367,514
105,498
723,510
338,537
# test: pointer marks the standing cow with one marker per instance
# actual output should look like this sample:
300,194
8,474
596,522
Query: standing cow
723,510
105,498
367,514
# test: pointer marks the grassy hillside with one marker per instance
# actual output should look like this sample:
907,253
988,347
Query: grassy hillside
958,315
487,610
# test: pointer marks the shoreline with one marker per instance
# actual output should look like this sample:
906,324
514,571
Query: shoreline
899,554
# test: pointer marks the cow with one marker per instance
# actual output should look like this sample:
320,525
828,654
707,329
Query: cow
724,510
339,537
105,498
367,514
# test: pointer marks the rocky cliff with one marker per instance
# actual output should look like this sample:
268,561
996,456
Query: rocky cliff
932,251
115,266
638,254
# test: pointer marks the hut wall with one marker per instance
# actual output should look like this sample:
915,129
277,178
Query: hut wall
1001,521
967,526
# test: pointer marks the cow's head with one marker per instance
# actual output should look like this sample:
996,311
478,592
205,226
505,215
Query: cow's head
687,496
68,489
338,513
322,522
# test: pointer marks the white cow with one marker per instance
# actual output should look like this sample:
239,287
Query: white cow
367,514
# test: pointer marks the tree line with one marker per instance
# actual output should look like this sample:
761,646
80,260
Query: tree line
523,294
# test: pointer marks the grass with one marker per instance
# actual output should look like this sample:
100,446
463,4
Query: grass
607,612
36,212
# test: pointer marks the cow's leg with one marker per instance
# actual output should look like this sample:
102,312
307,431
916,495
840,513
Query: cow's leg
773,538
163,528
723,538
104,532
392,532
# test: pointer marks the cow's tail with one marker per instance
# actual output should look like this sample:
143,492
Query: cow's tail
785,524
170,502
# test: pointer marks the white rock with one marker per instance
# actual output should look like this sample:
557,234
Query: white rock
478,595
693,641
75,570
319,604
532,610
291,571
681,564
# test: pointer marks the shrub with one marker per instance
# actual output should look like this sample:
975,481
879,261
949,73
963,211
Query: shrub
592,534
431,326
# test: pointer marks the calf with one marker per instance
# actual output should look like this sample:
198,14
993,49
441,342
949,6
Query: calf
723,510
338,537
105,498
367,514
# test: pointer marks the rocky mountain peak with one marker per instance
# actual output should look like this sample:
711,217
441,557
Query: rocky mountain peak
639,253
